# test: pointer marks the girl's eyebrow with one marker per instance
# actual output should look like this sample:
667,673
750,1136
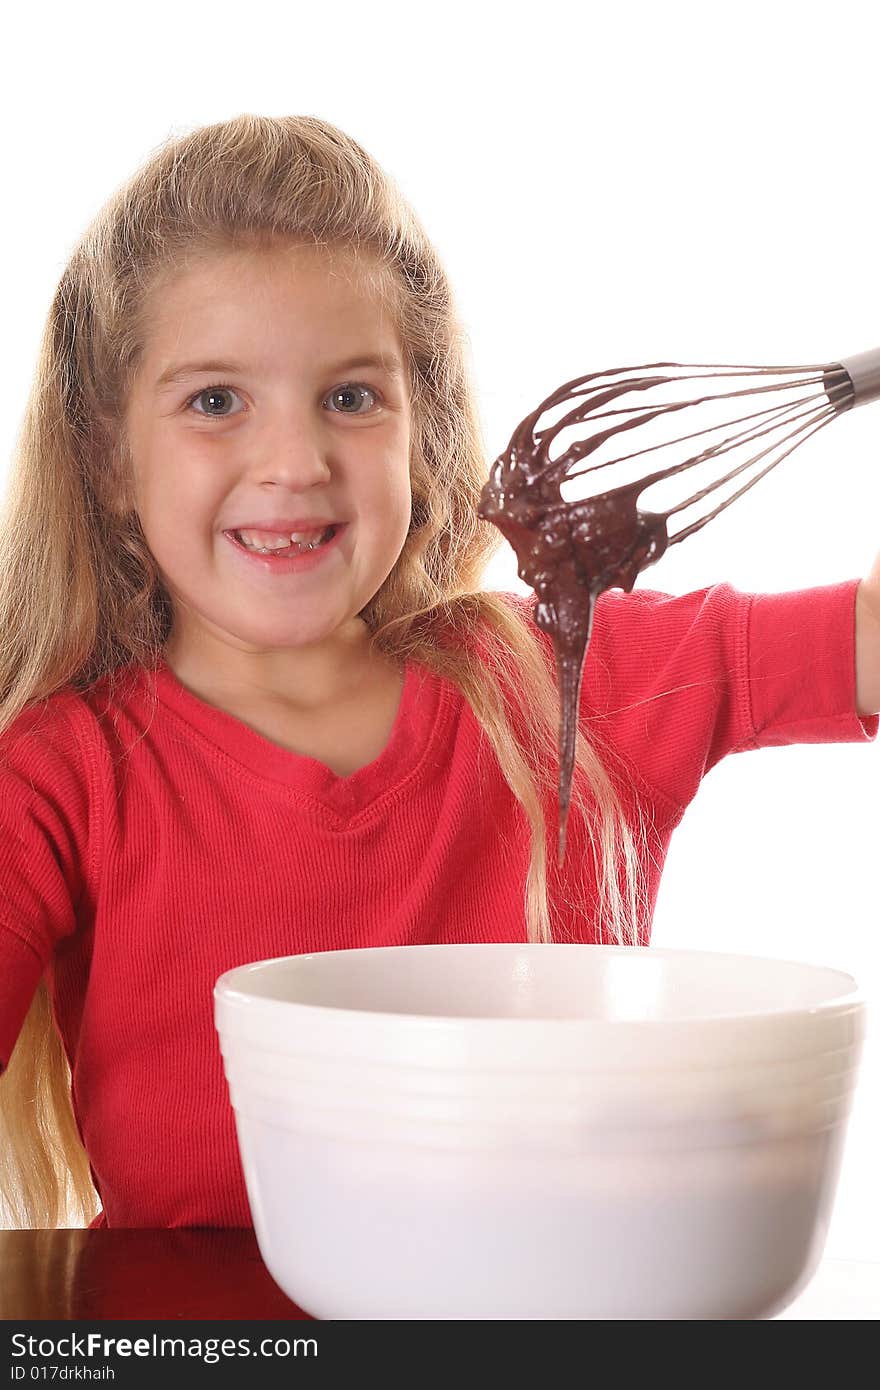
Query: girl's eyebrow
181,371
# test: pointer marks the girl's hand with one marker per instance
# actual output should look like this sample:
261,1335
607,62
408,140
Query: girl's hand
868,643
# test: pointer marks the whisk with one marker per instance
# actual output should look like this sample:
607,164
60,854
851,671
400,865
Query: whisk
570,551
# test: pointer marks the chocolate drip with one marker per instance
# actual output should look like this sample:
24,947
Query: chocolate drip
570,552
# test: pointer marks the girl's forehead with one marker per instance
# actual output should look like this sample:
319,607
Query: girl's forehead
238,288
340,269
245,306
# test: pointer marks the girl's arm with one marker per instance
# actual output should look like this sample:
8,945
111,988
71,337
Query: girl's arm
868,643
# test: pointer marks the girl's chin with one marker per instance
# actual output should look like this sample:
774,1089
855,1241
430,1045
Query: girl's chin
266,634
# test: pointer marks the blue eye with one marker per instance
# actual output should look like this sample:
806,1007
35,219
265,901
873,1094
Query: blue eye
339,393
348,390
209,391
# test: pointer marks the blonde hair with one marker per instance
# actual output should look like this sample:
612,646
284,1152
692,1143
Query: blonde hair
80,596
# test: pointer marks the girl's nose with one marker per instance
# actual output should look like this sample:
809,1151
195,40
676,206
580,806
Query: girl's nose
295,456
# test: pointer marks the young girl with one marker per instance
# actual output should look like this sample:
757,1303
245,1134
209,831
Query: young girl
253,699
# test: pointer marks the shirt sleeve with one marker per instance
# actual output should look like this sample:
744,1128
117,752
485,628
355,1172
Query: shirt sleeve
801,676
46,808
723,671
674,683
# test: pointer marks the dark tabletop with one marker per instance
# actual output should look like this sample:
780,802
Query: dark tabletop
183,1273
205,1274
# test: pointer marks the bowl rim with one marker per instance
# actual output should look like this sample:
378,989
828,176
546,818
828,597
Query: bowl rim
230,991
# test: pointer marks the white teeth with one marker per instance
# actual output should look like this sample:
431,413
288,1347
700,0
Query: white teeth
259,541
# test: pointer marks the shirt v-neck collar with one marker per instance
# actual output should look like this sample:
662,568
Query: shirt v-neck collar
423,701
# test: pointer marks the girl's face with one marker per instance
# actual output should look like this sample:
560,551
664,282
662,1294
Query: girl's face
256,403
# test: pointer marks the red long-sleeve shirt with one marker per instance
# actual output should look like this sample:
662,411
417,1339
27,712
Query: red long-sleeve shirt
142,854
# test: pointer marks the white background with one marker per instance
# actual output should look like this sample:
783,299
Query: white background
606,185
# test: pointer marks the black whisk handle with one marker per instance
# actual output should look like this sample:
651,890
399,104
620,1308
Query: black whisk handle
863,371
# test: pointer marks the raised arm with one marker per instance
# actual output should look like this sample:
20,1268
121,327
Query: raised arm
868,643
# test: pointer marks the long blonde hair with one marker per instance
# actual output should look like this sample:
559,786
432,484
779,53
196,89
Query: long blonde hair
80,596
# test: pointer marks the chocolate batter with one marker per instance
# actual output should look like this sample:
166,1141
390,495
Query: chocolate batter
570,552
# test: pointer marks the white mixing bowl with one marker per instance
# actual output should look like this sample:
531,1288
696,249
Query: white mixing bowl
548,1131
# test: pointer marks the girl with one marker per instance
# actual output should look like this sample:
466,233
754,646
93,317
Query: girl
253,699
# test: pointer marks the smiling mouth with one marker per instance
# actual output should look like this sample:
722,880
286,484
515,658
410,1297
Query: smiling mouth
290,548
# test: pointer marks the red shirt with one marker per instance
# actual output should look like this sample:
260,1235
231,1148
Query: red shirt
137,880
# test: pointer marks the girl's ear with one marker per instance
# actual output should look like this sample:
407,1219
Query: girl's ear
118,491
120,508
115,491
116,498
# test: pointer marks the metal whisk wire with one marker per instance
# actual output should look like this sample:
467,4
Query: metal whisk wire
808,414
571,551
